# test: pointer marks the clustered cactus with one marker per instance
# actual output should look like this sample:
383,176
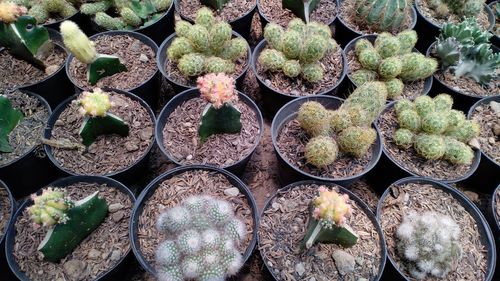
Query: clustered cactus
51,207
429,244
382,15
435,130
392,61
204,234
351,124
131,13
461,8
206,46
43,10
298,50
464,49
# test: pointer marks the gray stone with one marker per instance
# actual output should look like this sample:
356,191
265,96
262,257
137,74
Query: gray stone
233,191
143,58
93,254
491,140
300,269
115,255
344,261
115,207
118,216
496,129
474,143
495,106
75,269
130,146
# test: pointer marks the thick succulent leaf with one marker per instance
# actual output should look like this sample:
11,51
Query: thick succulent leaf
9,118
217,121
104,66
301,8
94,127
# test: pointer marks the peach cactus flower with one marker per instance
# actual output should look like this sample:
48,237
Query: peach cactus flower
331,206
218,89
9,12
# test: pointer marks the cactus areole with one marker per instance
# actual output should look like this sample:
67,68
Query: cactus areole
9,118
301,8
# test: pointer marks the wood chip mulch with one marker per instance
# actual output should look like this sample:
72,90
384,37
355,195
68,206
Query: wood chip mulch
100,251
430,14
468,85
232,9
408,158
180,136
4,211
282,229
425,197
273,10
365,192
489,121
139,58
110,153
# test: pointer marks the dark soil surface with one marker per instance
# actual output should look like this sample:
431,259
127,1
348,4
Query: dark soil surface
4,211
232,10
489,139
273,10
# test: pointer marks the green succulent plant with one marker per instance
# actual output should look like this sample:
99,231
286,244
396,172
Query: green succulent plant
313,118
43,10
382,15
403,138
321,151
356,140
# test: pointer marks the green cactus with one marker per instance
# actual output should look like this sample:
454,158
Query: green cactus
180,46
94,8
340,119
301,8
291,44
371,97
204,17
435,122
370,59
182,28
403,138
465,132
313,49
312,72
460,8
443,102
424,105
272,60
191,65
382,15
129,17
395,88
361,76
403,105
416,66
292,68
457,152
455,118
296,24
220,34
357,115
273,34
9,118
313,118
409,119
108,22
390,67
387,45
361,45
431,147
321,151
43,10
234,49
217,65
356,141
407,40
199,37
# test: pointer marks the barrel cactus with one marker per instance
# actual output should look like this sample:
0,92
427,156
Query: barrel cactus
382,15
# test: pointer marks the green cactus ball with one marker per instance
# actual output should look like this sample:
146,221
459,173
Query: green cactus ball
430,147
313,118
321,151
403,138
356,141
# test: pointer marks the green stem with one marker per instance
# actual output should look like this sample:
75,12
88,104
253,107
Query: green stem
313,236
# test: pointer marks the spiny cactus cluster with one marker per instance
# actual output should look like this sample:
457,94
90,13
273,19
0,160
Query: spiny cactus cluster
351,124
429,244
218,89
131,13
382,15
204,233
95,104
298,50
434,129
50,207
392,61
43,10
206,46
464,49
462,8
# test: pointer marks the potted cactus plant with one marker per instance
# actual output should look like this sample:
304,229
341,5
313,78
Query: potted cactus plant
76,227
208,46
495,8
187,225
282,11
326,138
302,60
219,125
101,133
392,60
7,210
143,16
312,223
434,232
30,57
469,64
111,59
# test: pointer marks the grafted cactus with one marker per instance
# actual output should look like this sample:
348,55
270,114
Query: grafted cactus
50,207
382,15
9,118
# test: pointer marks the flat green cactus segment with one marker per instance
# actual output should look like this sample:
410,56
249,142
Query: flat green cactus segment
215,4
25,40
9,118
301,8
104,66
84,218
216,121
93,127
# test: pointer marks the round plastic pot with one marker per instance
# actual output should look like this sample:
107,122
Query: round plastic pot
147,90
344,34
150,189
30,171
112,273
129,175
241,25
462,101
397,171
495,40
237,168
288,172
4,266
273,100
393,273
55,87
432,30
495,225
353,197
80,19
371,38
157,31
178,87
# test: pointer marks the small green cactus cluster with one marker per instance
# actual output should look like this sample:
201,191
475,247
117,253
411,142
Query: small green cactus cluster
464,49
434,129
206,46
350,123
382,15
392,61
204,236
461,8
43,10
298,50
131,14
429,244
50,208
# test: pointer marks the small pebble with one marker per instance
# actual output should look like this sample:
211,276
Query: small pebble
189,157
75,269
495,106
115,207
143,58
115,255
496,129
233,191
118,216
300,269
344,261
93,254
130,146
491,140
474,143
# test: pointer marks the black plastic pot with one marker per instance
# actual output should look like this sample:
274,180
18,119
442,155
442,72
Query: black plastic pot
149,89
397,171
150,189
113,273
32,170
353,197
128,175
495,225
4,266
393,273
161,58
241,25
495,40
288,172
273,100
157,31
431,29
80,19
371,37
462,101
344,34
237,168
